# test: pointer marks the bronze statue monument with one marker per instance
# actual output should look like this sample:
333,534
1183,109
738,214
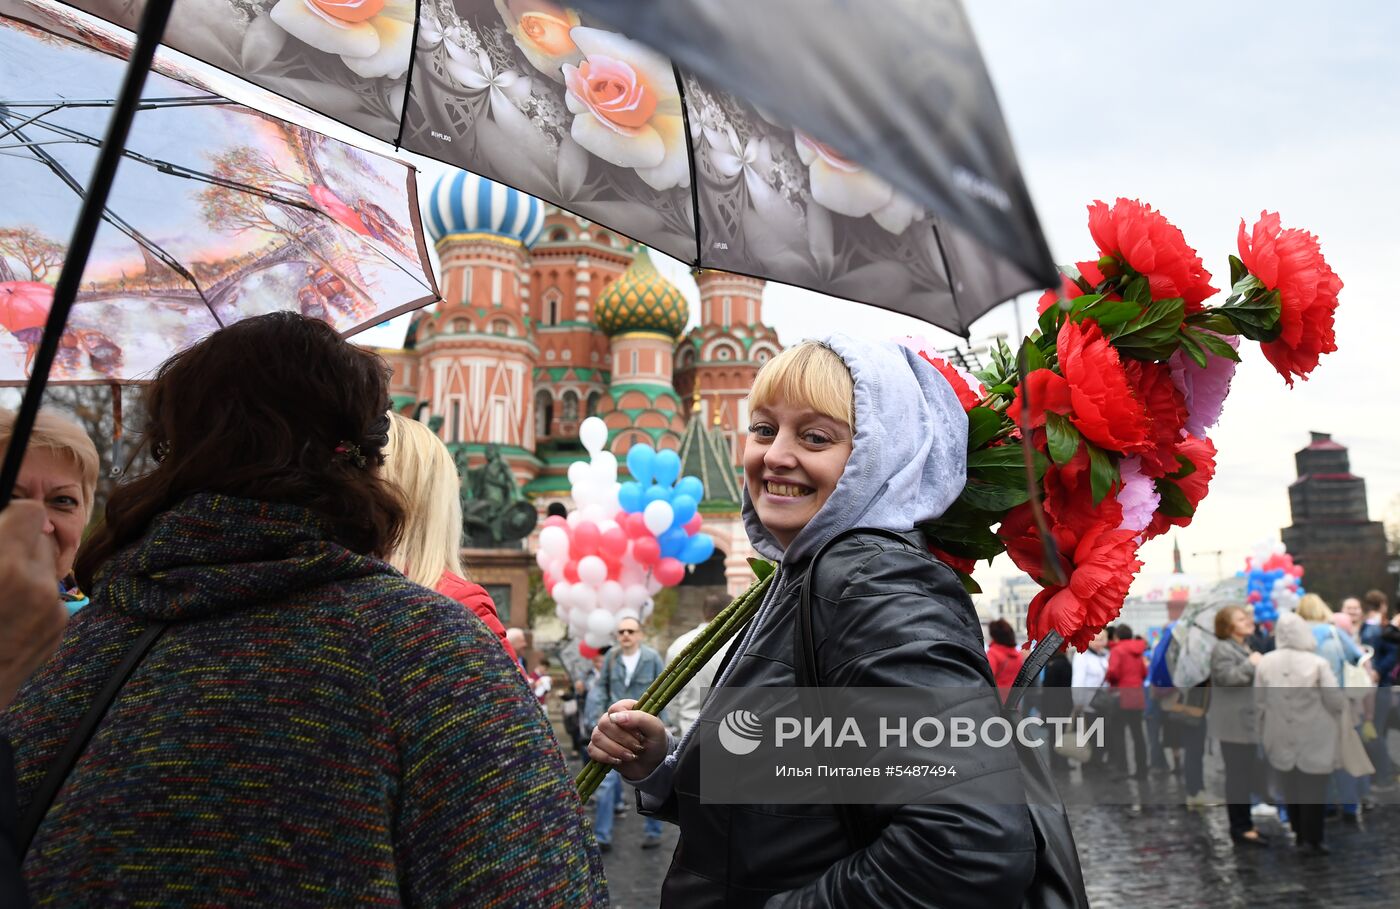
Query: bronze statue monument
494,510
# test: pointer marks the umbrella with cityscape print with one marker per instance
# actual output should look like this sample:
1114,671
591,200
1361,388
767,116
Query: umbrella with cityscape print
219,212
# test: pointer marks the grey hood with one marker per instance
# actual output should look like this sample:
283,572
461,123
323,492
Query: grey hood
908,459
1292,633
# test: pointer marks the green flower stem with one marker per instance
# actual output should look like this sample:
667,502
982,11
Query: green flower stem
683,668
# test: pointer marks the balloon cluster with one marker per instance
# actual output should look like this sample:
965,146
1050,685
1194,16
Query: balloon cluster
623,542
1272,581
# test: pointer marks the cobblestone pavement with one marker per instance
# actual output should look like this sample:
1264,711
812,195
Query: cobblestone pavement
1150,855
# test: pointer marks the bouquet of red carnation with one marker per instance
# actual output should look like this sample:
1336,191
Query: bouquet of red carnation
1107,405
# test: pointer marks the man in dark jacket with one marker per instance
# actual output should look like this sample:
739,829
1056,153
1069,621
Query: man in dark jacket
31,625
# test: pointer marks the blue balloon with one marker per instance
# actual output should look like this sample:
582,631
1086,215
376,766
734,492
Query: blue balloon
691,486
658,494
631,497
641,462
683,507
672,542
697,549
666,468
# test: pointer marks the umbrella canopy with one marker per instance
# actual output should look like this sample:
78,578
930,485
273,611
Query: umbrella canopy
547,100
218,213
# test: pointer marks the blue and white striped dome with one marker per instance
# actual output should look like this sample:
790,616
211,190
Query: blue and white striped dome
463,203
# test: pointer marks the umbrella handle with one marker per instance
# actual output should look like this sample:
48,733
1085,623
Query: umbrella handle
148,35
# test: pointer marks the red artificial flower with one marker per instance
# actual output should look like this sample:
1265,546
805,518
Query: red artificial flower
1290,261
1069,288
1166,410
1104,408
962,385
1153,247
1105,561
1047,391
957,563
1201,454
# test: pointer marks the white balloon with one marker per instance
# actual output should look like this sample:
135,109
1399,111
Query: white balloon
611,596
658,517
600,621
578,623
633,575
592,571
584,494
595,513
578,473
543,559
562,593
585,597
555,541
1279,548
604,467
634,596
654,586
626,613
647,610
593,433
560,612
574,517
611,504
609,524
556,567
596,640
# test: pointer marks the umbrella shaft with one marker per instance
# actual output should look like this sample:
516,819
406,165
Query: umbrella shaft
148,35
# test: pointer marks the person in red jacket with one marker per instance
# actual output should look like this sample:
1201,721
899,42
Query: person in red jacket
429,552
1003,654
1127,670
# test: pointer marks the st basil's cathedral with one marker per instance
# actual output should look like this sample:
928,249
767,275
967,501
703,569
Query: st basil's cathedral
547,319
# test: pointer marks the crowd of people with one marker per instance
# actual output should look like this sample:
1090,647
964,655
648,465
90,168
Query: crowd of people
1300,713
283,688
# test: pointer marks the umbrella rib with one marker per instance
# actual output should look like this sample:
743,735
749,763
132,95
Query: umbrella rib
690,150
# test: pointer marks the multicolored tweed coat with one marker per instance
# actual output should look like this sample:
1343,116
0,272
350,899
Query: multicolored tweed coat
313,730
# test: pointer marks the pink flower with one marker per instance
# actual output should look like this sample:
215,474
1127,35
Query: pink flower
1203,388
1138,497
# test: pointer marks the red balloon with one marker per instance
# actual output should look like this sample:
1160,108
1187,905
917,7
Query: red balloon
669,572
692,527
1254,596
585,541
571,571
613,544
549,581
556,520
637,526
1297,571
585,651
646,550
614,567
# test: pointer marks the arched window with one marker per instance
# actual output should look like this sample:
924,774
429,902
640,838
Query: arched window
544,413
593,400
460,326
558,235
502,327
552,306
570,407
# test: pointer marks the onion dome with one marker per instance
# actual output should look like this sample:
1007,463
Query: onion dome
642,300
463,203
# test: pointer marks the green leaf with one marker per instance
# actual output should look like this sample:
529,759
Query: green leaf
1003,389
1245,286
762,568
1063,438
1237,270
1030,359
965,532
1174,503
1138,291
1216,345
1103,473
1193,348
1212,320
990,497
983,424
1185,469
1003,456
1256,316
1154,334
1111,314
968,583
1050,321
1078,304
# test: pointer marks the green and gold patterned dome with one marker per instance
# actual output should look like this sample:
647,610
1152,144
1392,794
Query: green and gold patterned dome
642,300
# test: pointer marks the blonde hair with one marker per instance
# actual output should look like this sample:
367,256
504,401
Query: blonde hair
419,464
65,438
809,375
1313,608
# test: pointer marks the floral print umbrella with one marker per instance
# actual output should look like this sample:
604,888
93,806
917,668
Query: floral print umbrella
543,98
218,213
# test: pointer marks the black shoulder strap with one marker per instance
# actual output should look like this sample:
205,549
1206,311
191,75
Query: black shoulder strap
1030,669
859,831
63,764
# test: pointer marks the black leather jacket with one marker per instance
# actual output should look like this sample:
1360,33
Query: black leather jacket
884,615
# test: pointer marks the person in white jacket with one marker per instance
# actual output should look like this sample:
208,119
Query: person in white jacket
1299,703
1087,674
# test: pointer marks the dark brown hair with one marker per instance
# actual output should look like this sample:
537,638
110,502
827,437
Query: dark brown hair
1002,633
1374,601
257,410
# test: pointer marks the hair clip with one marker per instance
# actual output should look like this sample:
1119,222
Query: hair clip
161,451
350,452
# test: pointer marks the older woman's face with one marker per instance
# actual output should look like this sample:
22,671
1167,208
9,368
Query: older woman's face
1352,607
793,458
48,476
1243,625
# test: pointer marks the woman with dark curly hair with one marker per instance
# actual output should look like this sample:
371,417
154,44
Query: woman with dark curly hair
308,727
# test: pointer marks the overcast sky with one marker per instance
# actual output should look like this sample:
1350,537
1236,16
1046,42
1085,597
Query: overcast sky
1210,112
